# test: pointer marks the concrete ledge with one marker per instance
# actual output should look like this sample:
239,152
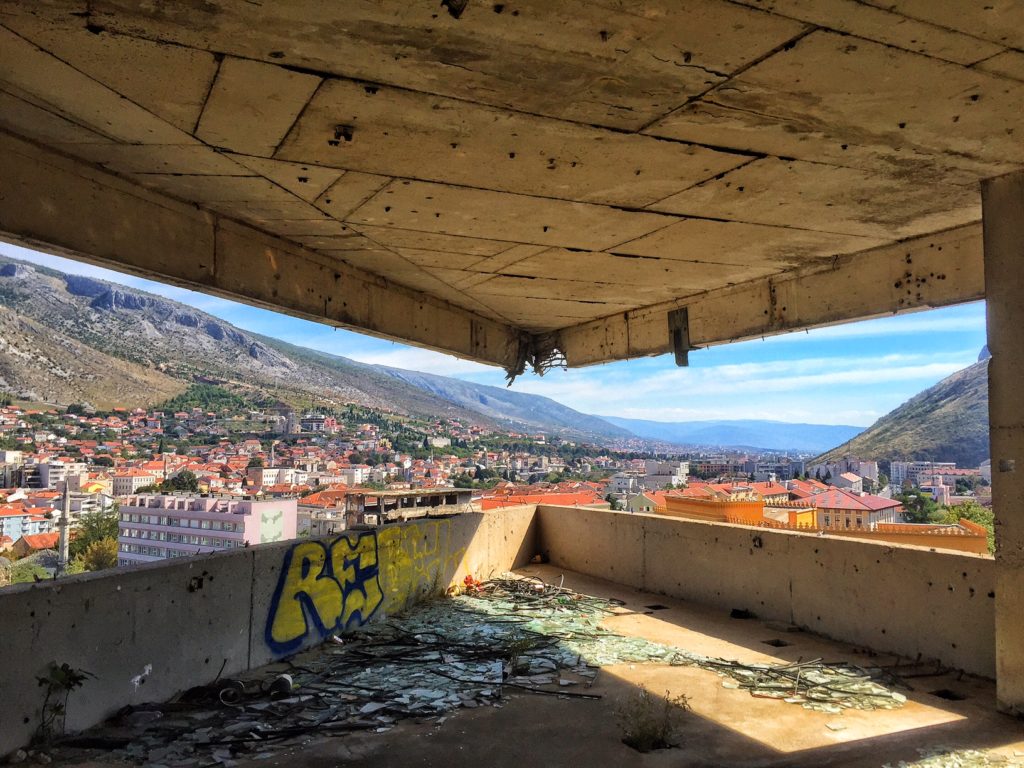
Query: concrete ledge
148,632
900,599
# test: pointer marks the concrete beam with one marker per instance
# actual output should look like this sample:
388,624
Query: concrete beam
933,271
1003,208
60,205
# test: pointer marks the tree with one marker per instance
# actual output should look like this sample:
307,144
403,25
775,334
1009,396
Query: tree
183,481
92,528
919,506
100,555
973,511
255,461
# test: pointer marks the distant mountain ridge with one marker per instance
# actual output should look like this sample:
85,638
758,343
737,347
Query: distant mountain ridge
743,433
946,422
70,338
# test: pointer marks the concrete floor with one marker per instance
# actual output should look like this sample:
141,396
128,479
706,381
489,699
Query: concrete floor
726,727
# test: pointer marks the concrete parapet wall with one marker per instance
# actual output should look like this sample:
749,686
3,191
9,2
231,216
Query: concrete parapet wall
901,599
148,632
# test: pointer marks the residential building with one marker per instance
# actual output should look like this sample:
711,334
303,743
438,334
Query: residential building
844,509
901,472
162,526
17,520
128,481
850,482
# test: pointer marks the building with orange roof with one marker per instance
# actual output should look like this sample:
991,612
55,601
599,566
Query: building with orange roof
37,542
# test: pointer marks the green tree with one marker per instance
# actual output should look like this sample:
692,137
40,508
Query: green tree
973,511
919,506
183,481
92,528
255,461
100,555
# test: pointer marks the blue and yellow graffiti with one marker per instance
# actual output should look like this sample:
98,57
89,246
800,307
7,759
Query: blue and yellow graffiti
331,586
324,587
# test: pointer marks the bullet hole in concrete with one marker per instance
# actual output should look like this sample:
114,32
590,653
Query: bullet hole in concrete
498,7
303,179
195,583
276,54
975,96
656,607
757,542
776,643
25,721
32,614
739,189
741,613
437,215
970,591
515,13
455,7
883,631
929,584
604,35
455,145
636,172
844,146
572,164
387,208
950,588
371,89
95,28
345,132
687,57
206,660
991,594
946,693
512,155
964,574
902,126
956,118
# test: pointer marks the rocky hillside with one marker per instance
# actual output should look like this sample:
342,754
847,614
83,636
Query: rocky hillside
947,422
67,338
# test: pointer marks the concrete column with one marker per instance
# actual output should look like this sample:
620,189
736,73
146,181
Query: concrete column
1003,214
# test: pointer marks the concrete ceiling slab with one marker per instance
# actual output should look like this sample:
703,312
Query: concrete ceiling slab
195,159
349,192
874,107
682,278
252,106
831,199
522,166
408,238
1001,21
1008,64
21,116
729,242
171,81
610,64
886,26
208,189
303,180
80,98
396,132
447,210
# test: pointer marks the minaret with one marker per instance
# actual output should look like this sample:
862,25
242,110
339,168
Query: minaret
63,524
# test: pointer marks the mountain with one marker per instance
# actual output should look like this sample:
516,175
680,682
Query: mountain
68,338
946,422
765,435
499,403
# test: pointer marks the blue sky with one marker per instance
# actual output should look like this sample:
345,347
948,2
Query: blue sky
848,374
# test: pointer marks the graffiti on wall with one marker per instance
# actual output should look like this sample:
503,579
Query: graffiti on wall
331,585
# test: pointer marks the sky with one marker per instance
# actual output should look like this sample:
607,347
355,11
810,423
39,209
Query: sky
848,374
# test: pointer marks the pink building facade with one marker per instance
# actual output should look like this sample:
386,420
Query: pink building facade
163,526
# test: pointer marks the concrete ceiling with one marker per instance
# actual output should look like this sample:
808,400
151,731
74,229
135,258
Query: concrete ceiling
569,171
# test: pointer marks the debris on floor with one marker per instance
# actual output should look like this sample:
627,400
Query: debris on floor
943,757
471,649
